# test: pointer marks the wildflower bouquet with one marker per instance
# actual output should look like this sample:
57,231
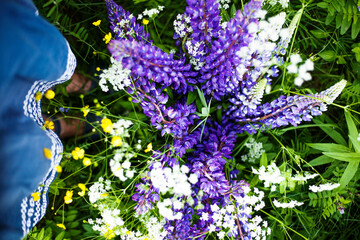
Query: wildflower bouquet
199,98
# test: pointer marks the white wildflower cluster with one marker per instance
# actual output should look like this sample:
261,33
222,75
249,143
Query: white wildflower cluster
270,175
193,51
224,4
120,164
264,43
291,204
121,128
124,24
301,71
283,3
167,208
151,13
154,227
99,189
258,227
111,225
173,180
255,151
223,217
120,167
182,25
272,29
304,177
324,187
118,76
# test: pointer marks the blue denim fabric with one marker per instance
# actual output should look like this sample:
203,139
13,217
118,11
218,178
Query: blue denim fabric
30,50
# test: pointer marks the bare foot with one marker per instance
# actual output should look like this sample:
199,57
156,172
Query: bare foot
69,127
78,84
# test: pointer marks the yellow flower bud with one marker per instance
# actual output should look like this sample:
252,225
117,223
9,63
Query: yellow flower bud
58,168
38,96
49,94
86,161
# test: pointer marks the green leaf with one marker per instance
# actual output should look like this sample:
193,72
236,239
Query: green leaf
355,28
355,143
346,157
340,60
263,160
233,11
356,50
339,18
202,97
336,136
328,55
329,19
345,25
348,174
41,234
323,5
51,11
352,130
191,97
319,161
60,236
329,147
319,34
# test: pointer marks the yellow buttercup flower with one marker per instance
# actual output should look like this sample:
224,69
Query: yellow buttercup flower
68,197
145,21
58,168
107,38
85,110
60,225
78,153
106,125
87,161
49,94
97,69
97,23
83,189
149,148
116,141
47,153
36,196
38,96
49,124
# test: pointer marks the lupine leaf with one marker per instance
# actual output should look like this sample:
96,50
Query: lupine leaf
336,136
319,161
349,173
329,147
346,157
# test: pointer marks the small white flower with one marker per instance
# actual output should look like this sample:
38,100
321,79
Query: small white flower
324,187
221,234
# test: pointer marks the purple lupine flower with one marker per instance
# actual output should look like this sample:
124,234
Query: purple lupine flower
229,62
290,109
123,24
151,63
